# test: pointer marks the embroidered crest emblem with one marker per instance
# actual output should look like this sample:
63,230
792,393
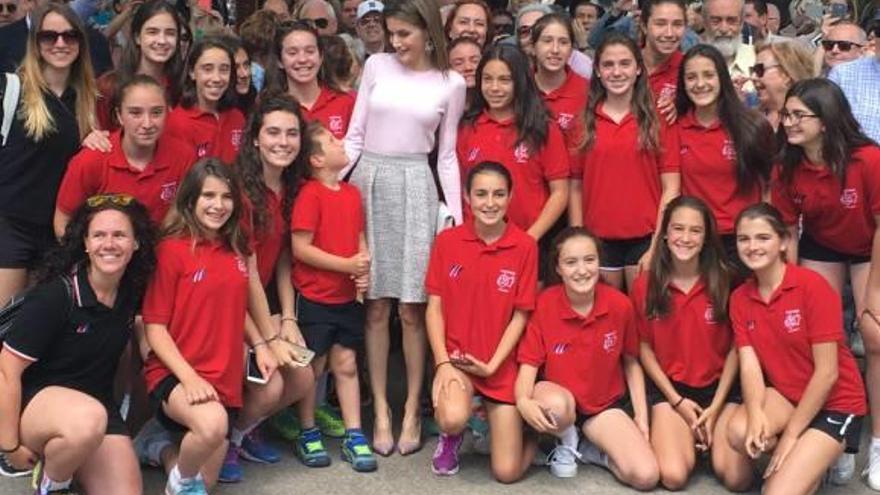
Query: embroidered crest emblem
849,198
609,341
792,320
505,280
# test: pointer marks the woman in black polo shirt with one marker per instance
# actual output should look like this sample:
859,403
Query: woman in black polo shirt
60,355
55,111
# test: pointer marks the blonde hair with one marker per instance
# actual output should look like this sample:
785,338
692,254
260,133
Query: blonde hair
38,121
794,59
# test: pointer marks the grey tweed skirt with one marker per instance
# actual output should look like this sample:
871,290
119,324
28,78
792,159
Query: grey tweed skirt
400,204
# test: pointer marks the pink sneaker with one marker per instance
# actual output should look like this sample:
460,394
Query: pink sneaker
445,460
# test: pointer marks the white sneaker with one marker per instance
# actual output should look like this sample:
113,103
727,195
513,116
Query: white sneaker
563,461
590,454
872,470
843,470
190,486
149,443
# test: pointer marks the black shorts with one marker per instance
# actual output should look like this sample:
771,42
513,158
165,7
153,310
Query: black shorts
809,249
160,395
623,403
841,427
115,424
619,253
323,325
701,395
22,243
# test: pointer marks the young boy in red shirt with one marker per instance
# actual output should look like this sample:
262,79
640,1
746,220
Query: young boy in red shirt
331,269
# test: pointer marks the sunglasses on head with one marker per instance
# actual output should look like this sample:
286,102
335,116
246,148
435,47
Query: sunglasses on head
759,69
102,199
49,37
11,8
319,23
844,46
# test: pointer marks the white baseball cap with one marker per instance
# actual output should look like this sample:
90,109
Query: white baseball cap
369,6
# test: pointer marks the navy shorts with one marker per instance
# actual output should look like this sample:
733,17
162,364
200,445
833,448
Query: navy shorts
323,325
620,253
809,249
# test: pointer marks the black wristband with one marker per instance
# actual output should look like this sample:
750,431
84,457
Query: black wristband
678,403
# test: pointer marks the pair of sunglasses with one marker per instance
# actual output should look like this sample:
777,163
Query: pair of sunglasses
116,199
759,69
11,8
49,37
319,23
844,46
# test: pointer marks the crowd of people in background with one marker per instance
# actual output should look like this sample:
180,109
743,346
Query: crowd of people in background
613,232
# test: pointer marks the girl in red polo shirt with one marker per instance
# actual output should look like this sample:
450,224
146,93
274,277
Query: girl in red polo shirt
563,91
269,183
144,161
686,344
804,396
630,167
583,338
194,311
300,74
830,180
206,117
481,284
726,149
662,24
509,124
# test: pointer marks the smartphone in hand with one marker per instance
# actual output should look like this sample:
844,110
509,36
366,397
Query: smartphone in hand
252,369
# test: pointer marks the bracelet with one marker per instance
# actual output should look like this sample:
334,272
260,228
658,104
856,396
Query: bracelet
9,451
273,339
438,365
678,403
258,344
288,318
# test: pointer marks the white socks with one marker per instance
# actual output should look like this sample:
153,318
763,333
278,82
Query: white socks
569,437
47,485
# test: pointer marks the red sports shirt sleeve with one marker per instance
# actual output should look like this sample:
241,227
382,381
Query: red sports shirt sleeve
554,155
739,323
159,298
434,277
80,181
670,150
630,332
307,212
531,347
527,289
824,312
871,177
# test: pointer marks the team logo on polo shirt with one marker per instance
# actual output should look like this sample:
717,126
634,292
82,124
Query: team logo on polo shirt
241,265
559,349
668,91
728,150
455,271
521,153
564,120
236,138
709,315
199,275
473,153
849,197
750,325
202,149
167,191
609,341
335,123
505,280
82,328
792,320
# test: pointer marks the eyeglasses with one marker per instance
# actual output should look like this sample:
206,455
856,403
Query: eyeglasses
49,37
319,23
758,70
116,199
844,46
795,118
11,8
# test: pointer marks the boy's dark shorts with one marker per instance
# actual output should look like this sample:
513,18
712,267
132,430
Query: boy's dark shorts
323,325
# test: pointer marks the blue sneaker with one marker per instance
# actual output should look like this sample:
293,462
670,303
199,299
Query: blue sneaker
191,486
255,449
231,471
356,450
310,448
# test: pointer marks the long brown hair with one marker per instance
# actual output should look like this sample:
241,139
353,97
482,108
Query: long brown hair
642,105
181,220
424,14
712,264
38,122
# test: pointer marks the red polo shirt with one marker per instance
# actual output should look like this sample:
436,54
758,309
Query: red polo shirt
583,353
336,219
621,182
803,311
567,104
332,109
708,170
200,294
690,345
664,80
840,218
217,136
492,140
480,286
93,172
268,242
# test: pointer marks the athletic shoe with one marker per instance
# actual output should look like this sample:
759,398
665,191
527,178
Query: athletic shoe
310,449
231,471
6,469
255,449
286,424
329,422
149,443
482,442
37,479
445,460
190,486
843,470
563,461
590,454
872,470
356,450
